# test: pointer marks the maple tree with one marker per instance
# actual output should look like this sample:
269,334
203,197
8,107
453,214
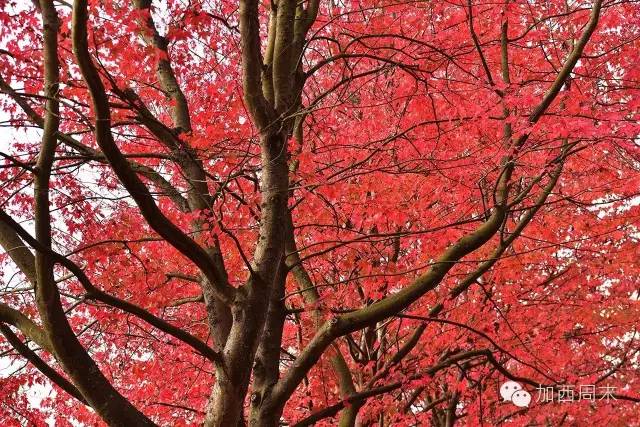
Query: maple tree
355,213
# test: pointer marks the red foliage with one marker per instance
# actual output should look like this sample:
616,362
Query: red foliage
404,143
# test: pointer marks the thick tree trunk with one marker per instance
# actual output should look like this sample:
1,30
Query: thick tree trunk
252,300
225,408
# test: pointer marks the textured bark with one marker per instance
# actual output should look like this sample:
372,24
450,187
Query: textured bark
92,384
249,309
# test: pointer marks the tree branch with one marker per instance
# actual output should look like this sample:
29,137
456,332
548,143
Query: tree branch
156,219
40,364
94,293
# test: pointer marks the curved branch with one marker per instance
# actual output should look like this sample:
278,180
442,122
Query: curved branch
354,399
140,194
110,405
40,364
99,295
91,153
569,64
344,324
28,328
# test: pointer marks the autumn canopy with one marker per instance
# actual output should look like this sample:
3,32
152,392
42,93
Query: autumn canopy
319,212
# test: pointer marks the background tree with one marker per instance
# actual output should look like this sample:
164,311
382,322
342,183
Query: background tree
364,213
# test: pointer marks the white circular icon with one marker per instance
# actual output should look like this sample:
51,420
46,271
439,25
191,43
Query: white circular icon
521,398
508,389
